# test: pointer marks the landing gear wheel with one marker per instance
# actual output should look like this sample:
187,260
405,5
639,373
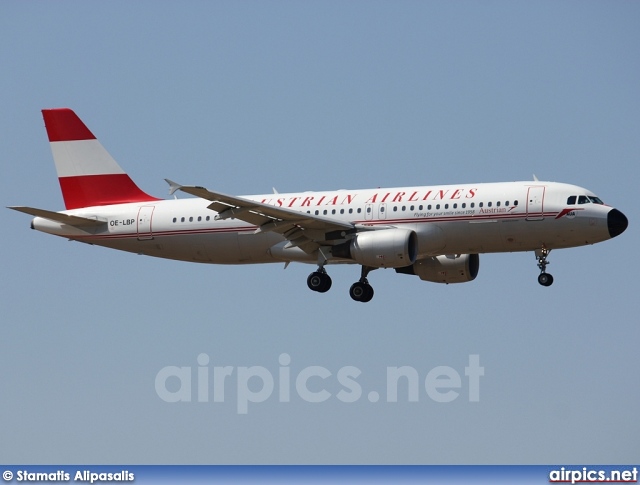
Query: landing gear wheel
320,282
369,294
545,279
362,292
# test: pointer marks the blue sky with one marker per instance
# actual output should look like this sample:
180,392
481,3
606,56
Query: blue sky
245,96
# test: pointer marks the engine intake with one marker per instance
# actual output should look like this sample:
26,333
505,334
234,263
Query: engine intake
385,248
454,268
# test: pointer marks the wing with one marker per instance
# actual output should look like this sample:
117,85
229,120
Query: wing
306,231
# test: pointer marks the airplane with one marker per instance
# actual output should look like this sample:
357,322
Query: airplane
433,232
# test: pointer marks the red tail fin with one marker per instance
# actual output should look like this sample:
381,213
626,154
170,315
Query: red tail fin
88,175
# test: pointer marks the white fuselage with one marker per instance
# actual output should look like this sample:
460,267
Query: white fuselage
451,219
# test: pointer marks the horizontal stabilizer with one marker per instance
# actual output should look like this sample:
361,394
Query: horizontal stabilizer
75,221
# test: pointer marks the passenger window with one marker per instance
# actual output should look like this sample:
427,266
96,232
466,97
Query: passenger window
359,210
571,200
473,204
395,208
207,217
404,208
488,204
437,206
464,204
420,207
174,219
381,208
429,207
498,204
583,199
333,211
515,202
317,212
455,206
350,211
368,210
199,218
411,208
341,211
446,206
182,219
480,204
324,212
190,219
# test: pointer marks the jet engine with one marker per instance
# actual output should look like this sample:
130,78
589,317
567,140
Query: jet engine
449,268
384,248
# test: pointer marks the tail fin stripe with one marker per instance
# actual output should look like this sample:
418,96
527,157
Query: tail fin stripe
64,125
85,157
91,190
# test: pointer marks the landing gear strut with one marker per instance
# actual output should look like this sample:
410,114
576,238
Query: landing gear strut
319,280
361,290
545,279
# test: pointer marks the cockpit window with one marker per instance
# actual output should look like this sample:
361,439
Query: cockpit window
571,200
583,199
596,200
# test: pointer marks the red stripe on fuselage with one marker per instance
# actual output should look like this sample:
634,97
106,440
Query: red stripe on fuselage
564,212
250,229
92,190
64,125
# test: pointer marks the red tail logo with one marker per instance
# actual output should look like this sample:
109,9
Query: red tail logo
88,175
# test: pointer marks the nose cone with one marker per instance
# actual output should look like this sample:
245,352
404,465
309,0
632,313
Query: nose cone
616,222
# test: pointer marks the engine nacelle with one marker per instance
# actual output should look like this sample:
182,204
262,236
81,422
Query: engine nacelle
385,248
450,268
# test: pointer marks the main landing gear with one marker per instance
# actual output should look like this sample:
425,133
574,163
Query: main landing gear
319,281
361,290
545,279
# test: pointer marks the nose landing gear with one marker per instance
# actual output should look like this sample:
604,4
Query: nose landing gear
544,278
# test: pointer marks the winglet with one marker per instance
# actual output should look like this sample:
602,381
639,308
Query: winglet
173,186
